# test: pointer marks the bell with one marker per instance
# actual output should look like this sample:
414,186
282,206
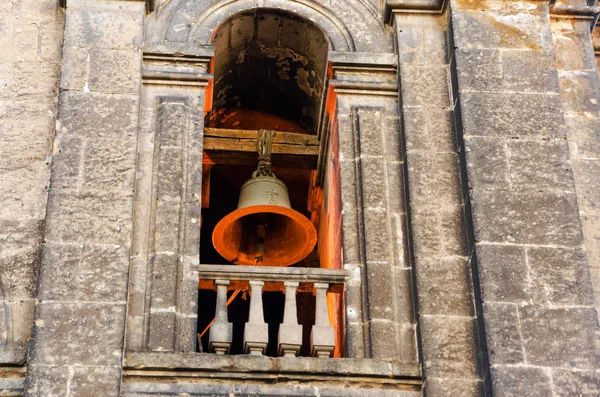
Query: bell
264,230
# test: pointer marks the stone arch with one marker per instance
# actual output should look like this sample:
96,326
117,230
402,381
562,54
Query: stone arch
209,21
351,25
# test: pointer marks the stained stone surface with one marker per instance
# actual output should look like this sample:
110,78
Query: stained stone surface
31,34
466,136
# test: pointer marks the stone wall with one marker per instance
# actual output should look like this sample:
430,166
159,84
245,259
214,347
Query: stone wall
524,86
30,50
80,316
469,152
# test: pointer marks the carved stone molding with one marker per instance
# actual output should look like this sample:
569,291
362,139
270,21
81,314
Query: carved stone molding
412,6
359,28
565,9
163,288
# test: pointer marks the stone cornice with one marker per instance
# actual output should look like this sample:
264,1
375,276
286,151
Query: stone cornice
177,64
563,9
413,6
149,3
367,73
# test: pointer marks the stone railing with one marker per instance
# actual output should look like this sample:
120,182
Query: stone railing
289,280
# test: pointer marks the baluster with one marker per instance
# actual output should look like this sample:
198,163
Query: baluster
256,331
322,336
221,331
290,332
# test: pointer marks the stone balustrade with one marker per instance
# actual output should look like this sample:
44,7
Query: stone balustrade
289,280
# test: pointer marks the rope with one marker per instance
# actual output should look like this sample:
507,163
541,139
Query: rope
264,145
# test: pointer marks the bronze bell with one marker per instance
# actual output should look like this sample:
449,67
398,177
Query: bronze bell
264,230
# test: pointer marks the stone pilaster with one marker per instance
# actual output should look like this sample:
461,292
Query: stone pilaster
537,297
163,289
442,247
366,148
80,315
579,84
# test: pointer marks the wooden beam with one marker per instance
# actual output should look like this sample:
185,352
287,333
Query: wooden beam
226,146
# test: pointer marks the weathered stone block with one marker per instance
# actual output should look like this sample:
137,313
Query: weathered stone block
377,237
32,79
18,269
512,115
522,382
503,273
104,29
510,30
109,166
162,331
515,216
373,183
450,350
433,178
445,286
22,191
164,281
544,331
115,71
381,291
434,133
438,231
588,184
383,336
563,273
172,116
95,381
511,70
75,65
487,161
93,115
25,131
425,86
453,387
67,162
46,380
75,324
583,136
351,235
540,163
51,36
576,383
355,340
84,273
167,226
503,333
422,46
370,128
170,174
87,218
392,137
580,92
573,50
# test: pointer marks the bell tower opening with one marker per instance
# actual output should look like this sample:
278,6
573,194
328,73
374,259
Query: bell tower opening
269,74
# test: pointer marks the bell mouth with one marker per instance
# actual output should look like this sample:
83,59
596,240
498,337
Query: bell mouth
289,236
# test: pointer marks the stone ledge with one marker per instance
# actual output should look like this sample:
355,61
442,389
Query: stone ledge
204,365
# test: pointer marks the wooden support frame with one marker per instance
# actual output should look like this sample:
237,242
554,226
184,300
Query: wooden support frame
229,146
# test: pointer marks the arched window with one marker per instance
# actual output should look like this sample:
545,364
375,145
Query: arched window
269,74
